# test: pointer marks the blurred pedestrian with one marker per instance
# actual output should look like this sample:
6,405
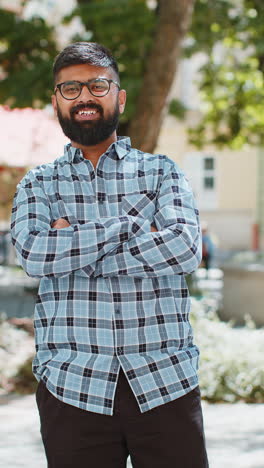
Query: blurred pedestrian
208,248
4,244
111,232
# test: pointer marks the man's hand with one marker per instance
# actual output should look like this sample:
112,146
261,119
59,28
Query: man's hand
60,224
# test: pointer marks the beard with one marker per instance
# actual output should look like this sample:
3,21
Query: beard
90,132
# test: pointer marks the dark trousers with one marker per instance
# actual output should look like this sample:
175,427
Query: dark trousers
168,436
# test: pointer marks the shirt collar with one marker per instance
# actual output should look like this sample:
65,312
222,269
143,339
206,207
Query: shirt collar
120,148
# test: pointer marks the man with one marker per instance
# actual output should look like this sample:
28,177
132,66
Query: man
207,247
111,232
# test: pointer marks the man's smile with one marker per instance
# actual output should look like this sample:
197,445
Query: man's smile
86,114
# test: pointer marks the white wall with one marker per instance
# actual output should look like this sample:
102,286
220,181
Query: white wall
232,229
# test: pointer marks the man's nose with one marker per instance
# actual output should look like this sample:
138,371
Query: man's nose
85,93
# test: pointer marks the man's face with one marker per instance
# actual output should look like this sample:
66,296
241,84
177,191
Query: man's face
89,120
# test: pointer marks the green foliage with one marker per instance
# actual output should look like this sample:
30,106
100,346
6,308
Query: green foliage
126,27
27,49
232,82
177,109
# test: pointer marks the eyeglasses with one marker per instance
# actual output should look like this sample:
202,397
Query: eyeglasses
98,87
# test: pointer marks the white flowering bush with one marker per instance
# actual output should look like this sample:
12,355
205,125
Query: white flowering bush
16,347
231,360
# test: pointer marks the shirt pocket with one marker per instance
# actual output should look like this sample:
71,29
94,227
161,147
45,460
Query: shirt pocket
139,204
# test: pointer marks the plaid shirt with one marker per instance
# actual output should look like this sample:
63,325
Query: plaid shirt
112,293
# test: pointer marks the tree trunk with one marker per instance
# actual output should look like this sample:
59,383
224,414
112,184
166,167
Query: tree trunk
174,20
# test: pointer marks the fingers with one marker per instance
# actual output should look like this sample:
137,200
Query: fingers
60,224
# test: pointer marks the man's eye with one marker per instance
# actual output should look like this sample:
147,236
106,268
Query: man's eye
99,86
71,88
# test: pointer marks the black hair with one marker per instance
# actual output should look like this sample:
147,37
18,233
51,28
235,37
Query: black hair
79,53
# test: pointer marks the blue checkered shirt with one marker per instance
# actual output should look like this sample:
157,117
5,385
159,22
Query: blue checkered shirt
112,292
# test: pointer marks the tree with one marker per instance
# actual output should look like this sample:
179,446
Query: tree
26,54
148,49
146,42
173,23
232,79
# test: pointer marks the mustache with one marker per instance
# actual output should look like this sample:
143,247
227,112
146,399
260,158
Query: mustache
91,105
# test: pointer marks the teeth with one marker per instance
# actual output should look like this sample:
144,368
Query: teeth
87,112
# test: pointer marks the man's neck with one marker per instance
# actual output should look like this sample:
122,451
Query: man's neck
94,152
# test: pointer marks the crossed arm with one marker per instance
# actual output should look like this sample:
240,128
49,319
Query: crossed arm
62,223
123,245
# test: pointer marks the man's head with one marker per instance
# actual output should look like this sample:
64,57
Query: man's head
87,97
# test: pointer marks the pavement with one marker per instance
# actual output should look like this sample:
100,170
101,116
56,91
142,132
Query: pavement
234,434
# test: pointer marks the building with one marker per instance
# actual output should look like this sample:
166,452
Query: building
224,181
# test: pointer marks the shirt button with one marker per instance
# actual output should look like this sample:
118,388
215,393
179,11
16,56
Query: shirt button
120,351
117,311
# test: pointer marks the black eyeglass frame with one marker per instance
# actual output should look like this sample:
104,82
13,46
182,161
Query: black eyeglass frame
86,83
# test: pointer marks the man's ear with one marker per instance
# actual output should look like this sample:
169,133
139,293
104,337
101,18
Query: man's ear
54,103
122,100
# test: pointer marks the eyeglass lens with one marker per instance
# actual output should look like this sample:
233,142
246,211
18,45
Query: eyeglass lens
72,89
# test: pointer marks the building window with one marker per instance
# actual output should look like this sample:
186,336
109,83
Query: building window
209,164
208,173
201,170
209,183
